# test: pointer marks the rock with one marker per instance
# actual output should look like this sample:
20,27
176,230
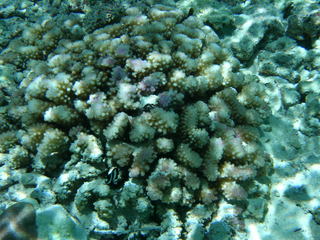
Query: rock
297,193
219,230
18,222
54,222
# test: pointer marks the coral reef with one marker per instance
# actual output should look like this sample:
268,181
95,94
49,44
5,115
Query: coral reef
173,118
146,120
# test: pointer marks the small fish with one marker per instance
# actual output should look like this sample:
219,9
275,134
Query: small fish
113,176
148,107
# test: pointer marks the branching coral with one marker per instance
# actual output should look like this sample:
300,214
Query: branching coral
145,116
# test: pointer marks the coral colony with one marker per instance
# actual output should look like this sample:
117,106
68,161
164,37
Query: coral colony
144,125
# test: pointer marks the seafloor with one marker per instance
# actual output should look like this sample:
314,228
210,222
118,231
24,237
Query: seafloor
161,120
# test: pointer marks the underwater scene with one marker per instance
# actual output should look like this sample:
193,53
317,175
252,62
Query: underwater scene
159,120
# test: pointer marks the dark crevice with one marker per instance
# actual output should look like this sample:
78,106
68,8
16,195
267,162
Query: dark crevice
306,42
